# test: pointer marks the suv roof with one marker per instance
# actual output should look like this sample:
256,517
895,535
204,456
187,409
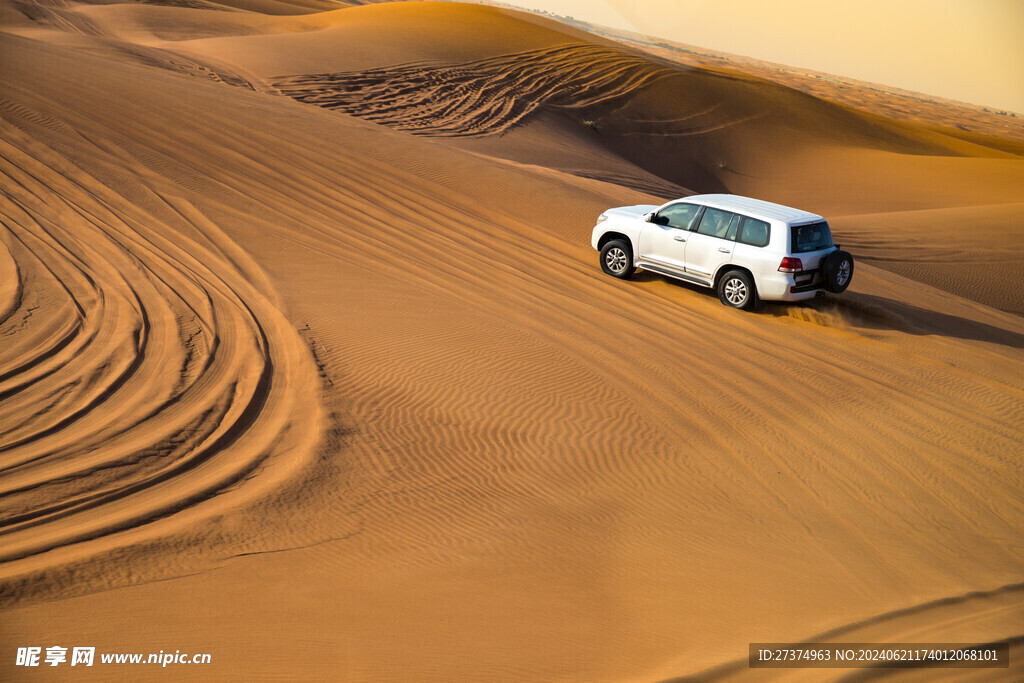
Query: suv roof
755,208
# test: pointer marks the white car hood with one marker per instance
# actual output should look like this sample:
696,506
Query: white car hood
631,211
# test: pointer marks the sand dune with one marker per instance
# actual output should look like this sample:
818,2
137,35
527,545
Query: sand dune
329,400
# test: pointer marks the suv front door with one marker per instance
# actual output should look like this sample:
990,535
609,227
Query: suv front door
663,240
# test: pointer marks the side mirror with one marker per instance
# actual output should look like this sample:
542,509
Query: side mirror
649,216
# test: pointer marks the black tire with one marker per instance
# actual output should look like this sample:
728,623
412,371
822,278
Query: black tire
617,259
837,271
736,290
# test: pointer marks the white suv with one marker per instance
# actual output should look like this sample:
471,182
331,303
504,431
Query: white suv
746,249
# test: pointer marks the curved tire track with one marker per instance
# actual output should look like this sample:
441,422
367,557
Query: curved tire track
141,374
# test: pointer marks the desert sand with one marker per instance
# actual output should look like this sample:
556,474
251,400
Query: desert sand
306,361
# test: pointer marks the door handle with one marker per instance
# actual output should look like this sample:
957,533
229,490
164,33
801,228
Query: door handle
679,238
724,250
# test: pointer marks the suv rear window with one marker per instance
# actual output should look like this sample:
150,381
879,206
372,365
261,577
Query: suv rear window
811,237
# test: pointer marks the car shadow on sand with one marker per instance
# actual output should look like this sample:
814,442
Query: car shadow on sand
868,311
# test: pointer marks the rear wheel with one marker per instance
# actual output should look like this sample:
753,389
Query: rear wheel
617,259
736,290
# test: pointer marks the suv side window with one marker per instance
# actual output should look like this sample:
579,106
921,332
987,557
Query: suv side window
753,232
677,216
715,222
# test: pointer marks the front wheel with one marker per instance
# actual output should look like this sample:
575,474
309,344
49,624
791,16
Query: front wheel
736,290
617,259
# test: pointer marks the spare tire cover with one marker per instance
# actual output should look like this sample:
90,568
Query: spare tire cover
837,270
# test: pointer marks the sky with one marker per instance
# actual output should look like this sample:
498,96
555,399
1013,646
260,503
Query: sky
967,50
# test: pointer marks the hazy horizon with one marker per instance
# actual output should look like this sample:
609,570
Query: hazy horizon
962,51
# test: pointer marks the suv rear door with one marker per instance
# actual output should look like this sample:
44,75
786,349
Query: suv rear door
712,243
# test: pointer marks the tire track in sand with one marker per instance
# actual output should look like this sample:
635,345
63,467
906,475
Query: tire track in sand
483,97
141,374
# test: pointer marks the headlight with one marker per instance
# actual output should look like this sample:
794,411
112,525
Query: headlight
602,218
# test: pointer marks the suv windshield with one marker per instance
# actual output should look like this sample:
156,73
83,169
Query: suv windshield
811,237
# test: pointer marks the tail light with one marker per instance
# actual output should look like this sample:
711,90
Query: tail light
791,265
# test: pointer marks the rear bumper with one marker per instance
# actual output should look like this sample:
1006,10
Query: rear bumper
790,286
